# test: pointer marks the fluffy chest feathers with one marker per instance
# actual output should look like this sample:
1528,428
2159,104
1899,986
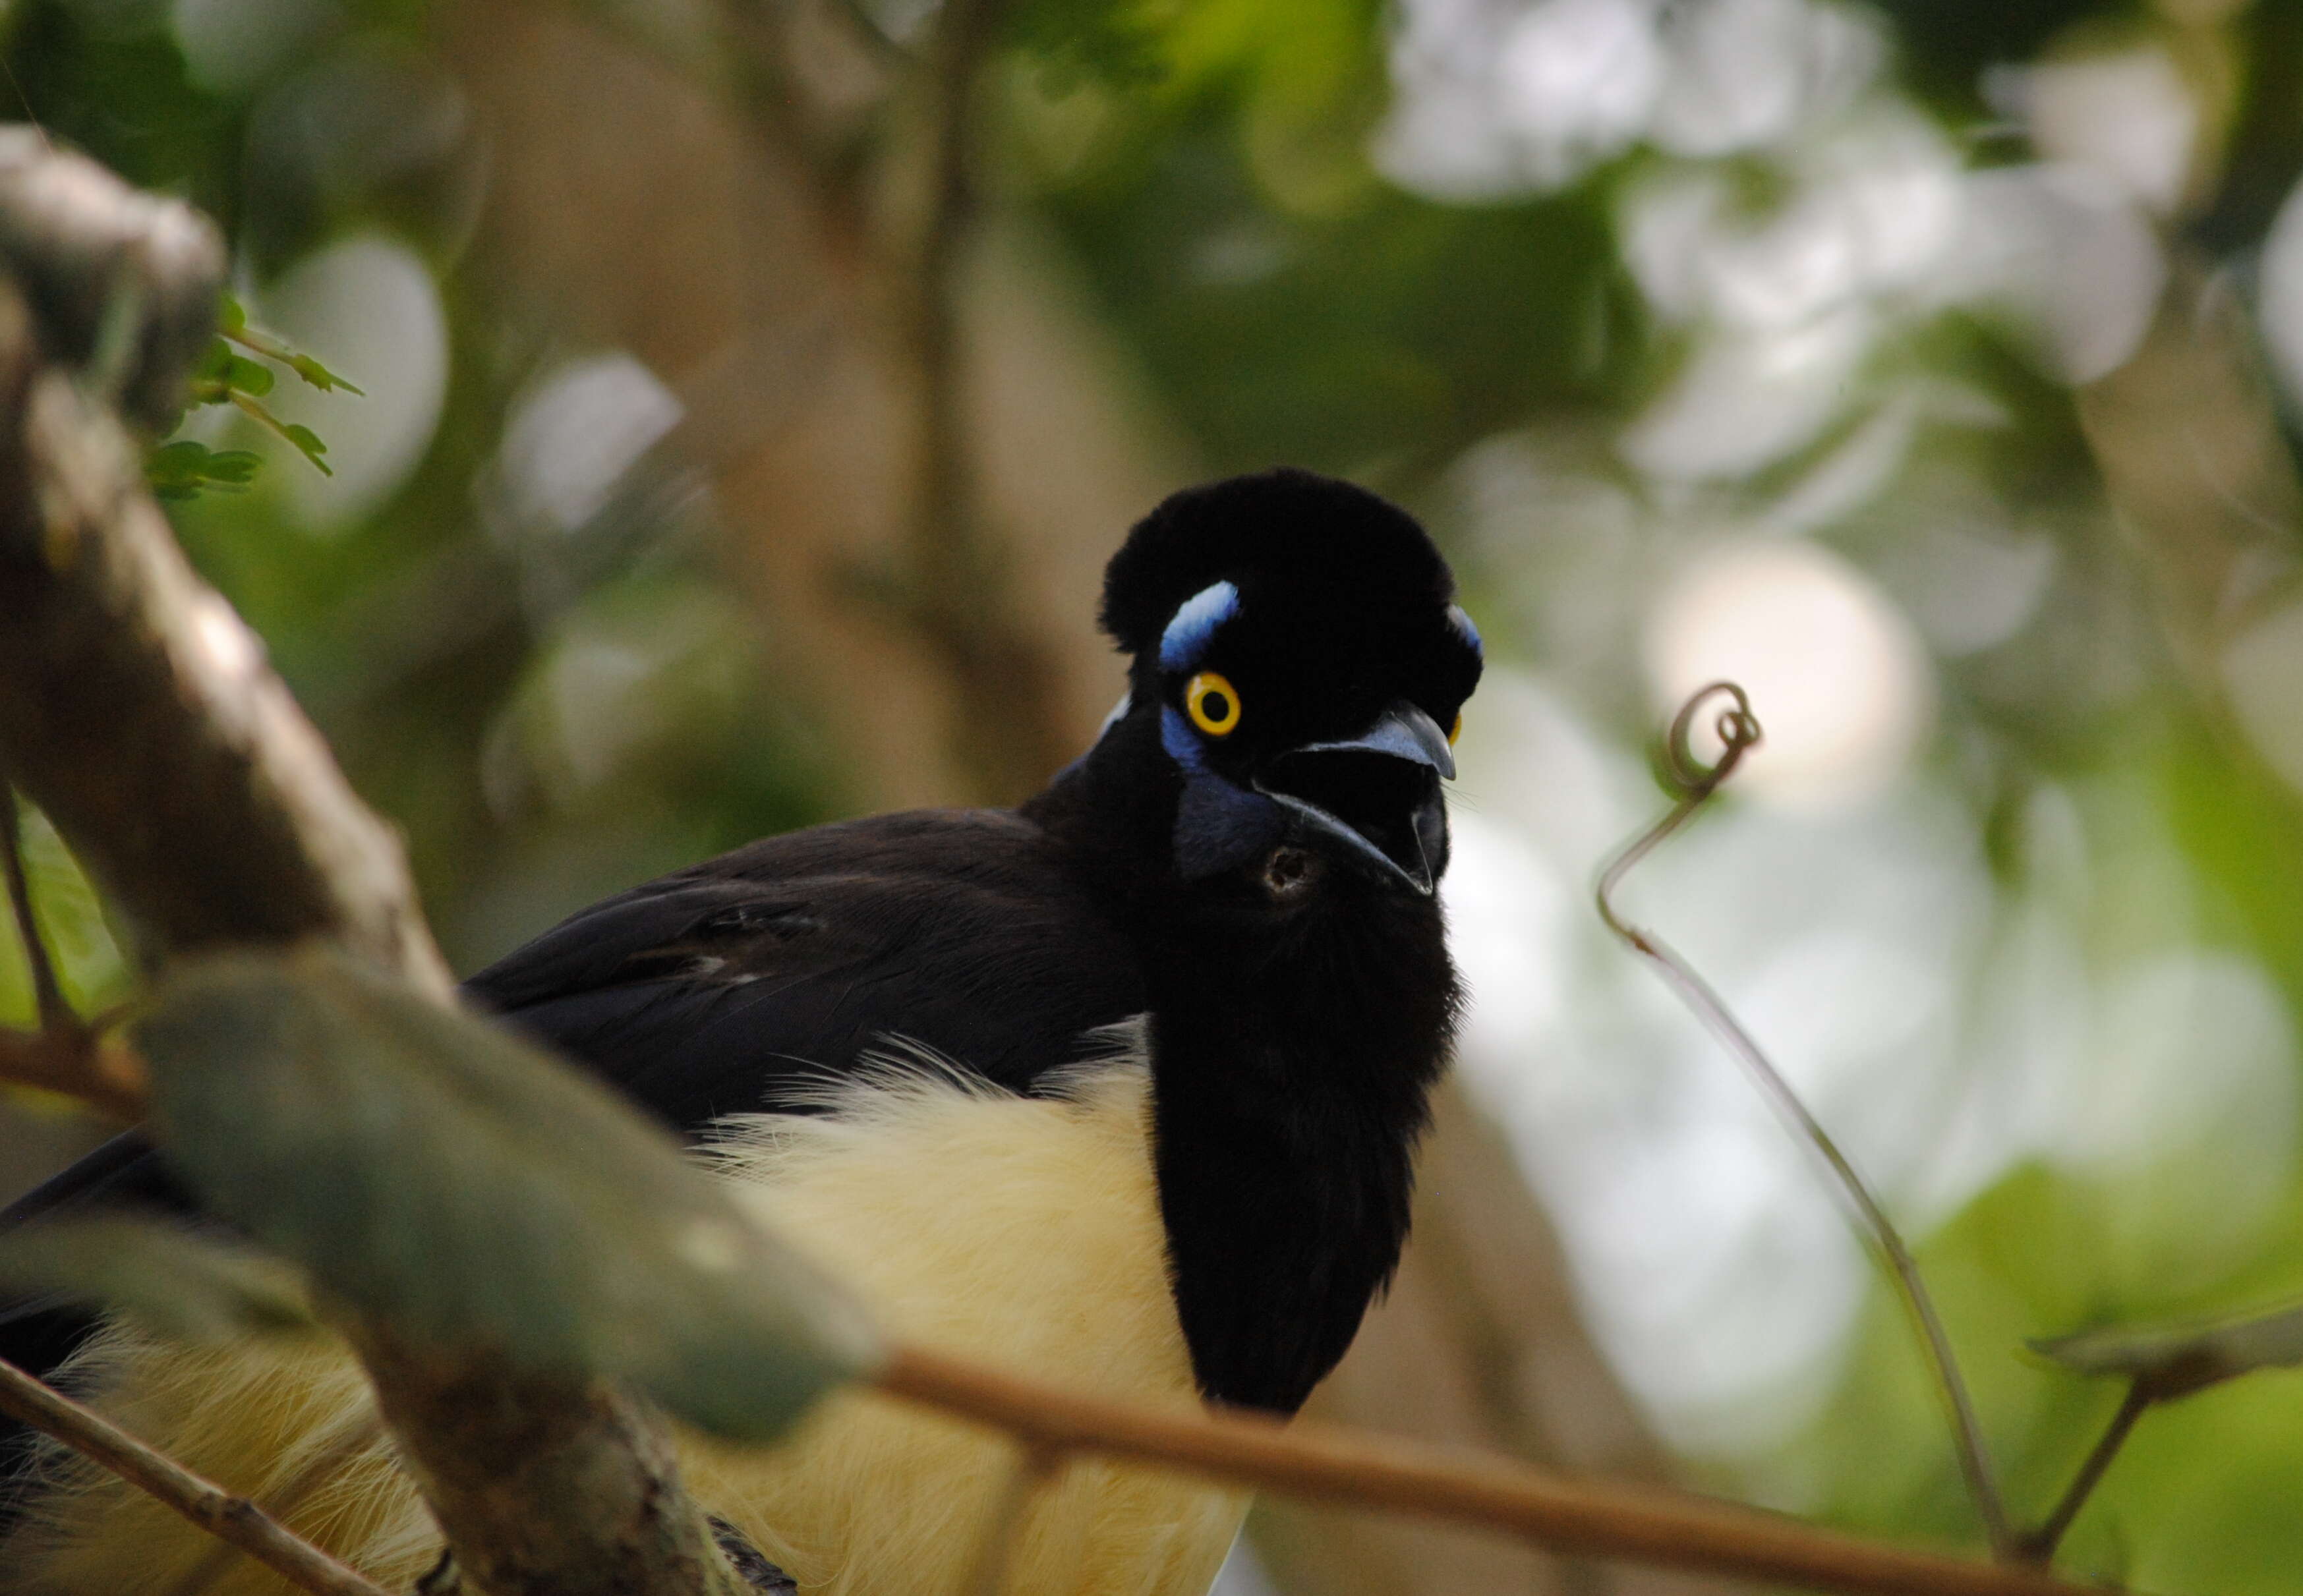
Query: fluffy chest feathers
1025,1232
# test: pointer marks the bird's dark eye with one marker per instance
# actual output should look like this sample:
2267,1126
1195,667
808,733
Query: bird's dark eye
1212,702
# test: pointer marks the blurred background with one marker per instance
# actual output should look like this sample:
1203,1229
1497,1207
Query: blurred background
754,388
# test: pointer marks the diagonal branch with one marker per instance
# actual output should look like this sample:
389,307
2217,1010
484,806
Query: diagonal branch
96,1067
1647,1524
226,1517
141,713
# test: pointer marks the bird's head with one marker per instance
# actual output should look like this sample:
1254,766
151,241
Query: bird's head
1298,651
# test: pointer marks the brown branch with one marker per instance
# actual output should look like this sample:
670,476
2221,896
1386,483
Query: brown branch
226,1517
141,713
100,1070
2039,1545
1646,1524
279,1504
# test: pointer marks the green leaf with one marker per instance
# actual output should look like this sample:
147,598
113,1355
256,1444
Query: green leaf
231,315
320,377
231,467
303,438
180,470
308,440
249,376
215,363
2175,1360
177,1284
175,470
448,1178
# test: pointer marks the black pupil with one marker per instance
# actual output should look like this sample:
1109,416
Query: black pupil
1215,706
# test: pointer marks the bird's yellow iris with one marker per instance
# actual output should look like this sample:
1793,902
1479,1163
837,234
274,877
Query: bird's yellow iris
1212,702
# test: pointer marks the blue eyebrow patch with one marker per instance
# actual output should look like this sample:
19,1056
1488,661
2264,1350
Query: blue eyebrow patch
1471,633
1196,620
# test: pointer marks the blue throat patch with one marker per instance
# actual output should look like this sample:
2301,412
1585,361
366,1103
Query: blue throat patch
1219,827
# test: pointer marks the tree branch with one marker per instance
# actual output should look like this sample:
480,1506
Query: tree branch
99,1070
141,713
226,1517
1647,1524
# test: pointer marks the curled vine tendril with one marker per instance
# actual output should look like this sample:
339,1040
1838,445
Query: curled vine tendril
1694,782
1737,730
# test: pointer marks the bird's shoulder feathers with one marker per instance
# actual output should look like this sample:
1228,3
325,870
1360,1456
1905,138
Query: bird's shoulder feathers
749,981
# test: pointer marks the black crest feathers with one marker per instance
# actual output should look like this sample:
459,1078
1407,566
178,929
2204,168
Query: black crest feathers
1335,550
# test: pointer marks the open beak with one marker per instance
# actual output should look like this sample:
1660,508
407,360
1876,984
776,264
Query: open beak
1376,794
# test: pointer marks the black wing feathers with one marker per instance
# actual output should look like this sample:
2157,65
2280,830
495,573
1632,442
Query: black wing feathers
742,983
739,984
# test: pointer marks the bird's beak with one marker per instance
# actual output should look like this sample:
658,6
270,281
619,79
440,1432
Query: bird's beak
1377,794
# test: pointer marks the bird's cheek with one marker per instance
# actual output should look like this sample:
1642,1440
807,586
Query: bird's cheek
1220,827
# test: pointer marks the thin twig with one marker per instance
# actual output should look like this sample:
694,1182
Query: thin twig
987,1571
97,1067
224,1516
1738,730
55,1015
2039,1545
279,1504
1559,1511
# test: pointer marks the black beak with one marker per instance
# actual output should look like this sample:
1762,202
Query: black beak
1377,793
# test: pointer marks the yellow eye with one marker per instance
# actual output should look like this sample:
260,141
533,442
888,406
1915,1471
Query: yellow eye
1456,730
1212,703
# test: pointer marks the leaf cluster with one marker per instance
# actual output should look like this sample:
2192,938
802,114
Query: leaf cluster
184,468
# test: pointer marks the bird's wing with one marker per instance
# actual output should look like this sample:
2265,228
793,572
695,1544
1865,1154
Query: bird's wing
752,981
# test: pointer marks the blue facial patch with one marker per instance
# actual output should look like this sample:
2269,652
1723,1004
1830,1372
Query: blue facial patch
1196,620
1471,633
1219,827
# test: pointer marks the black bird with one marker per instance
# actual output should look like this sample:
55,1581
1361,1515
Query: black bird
1123,1085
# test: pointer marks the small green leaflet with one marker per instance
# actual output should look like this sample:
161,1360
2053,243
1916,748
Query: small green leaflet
224,377
319,376
452,1180
275,348
2175,1360
181,469
170,1281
